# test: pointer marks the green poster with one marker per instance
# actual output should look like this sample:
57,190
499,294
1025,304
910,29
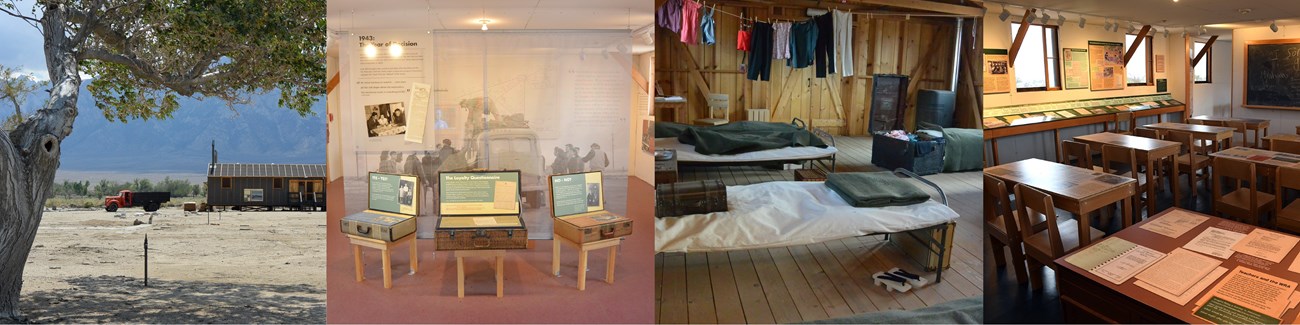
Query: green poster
1221,311
576,193
393,193
478,193
1076,68
1162,85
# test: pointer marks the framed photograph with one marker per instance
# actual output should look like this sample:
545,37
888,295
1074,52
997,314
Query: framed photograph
386,119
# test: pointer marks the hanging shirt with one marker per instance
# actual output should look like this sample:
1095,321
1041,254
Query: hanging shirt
781,40
707,34
824,51
670,15
742,40
690,22
844,41
803,39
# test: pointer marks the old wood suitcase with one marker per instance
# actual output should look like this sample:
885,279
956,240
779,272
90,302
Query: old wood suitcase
578,208
809,175
480,210
665,166
481,232
687,198
927,255
378,225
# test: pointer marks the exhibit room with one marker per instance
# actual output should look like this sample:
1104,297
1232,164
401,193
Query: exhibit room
778,128
1141,152
471,147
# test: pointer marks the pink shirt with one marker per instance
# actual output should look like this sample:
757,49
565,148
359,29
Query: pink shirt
690,22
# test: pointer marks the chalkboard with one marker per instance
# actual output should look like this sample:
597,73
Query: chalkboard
1273,74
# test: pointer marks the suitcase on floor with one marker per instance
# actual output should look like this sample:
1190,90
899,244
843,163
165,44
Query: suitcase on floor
686,198
383,226
481,232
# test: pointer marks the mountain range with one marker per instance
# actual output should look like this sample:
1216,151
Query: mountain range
258,132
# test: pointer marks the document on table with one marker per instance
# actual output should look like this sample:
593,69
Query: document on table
1268,245
1094,256
1178,271
1246,296
1128,264
1186,296
485,221
504,196
1175,223
1215,242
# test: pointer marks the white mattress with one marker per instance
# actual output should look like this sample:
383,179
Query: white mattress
779,214
686,152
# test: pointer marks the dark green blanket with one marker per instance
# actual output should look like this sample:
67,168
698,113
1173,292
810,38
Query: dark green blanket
738,137
874,190
964,150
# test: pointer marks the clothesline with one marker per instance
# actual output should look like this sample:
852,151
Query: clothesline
714,7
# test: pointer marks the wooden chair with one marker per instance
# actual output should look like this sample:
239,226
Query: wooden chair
1128,119
1285,146
1002,225
1076,154
1147,133
1189,161
1288,216
1116,155
1241,128
1042,247
1243,203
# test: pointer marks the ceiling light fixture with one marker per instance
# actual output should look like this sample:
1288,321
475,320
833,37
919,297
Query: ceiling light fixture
1005,13
1045,17
484,22
1131,29
1082,22
1060,19
1029,15
1107,26
1273,26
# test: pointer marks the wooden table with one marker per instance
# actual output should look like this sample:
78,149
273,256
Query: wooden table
1087,298
677,106
1073,189
1213,134
1260,156
498,254
384,249
1282,137
1251,124
1149,151
611,243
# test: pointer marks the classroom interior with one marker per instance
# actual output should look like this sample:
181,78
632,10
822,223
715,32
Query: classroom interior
1141,161
914,66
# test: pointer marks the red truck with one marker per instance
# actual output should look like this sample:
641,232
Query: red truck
151,201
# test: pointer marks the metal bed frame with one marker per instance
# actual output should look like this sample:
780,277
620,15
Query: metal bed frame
930,243
810,163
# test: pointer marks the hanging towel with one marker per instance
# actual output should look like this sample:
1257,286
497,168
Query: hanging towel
690,22
707,28
742,40
803,38
844,41
760,59
824,52
670,15
781,40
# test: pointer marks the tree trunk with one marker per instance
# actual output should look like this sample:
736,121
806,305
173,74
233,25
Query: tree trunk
29,156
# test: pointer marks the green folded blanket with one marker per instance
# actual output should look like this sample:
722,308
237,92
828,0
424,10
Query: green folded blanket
964,150
874,190
738,137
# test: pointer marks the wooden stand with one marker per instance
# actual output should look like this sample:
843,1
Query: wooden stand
611,243
384,248
460,268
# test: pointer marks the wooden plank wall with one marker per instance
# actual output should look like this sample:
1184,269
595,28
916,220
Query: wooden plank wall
919,47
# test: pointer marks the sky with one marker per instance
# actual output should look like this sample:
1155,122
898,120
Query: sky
23,45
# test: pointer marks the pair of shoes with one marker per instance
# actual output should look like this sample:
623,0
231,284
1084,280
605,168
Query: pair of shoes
913,279
892,282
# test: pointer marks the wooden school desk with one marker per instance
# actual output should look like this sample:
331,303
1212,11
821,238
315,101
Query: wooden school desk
1073,189
1148,151
1253,124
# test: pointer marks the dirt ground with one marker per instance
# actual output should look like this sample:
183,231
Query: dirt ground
243,267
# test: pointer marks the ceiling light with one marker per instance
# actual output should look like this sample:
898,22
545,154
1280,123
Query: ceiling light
1060,19
1082,22
1166,32
1131,29
484,22
1029,16
1107,26
1203,30
1005,13
1045,17
394,50
1273,26
370,50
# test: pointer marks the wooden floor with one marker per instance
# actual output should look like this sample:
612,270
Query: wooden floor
819,281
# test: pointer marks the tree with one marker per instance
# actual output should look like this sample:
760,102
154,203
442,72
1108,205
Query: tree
141,56
14,88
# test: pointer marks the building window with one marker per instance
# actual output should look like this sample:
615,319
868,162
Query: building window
1201,72
226,182
1036,63
277,183
1139,66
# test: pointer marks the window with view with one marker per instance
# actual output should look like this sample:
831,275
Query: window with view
1201,71
1139,66
1036,64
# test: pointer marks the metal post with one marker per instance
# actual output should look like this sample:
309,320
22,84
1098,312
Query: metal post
146,260
956,56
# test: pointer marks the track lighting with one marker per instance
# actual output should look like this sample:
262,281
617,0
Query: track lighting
1082,22
1005,13
1060,19
1107,26
1046,18
1029,16
1273,26
484,22
1166,32
1131,29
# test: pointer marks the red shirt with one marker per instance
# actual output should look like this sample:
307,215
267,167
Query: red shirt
742,40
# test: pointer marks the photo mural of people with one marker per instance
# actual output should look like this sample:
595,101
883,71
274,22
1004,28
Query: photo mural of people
567,160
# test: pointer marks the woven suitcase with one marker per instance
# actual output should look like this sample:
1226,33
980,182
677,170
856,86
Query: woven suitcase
686,198
460,233
383,226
